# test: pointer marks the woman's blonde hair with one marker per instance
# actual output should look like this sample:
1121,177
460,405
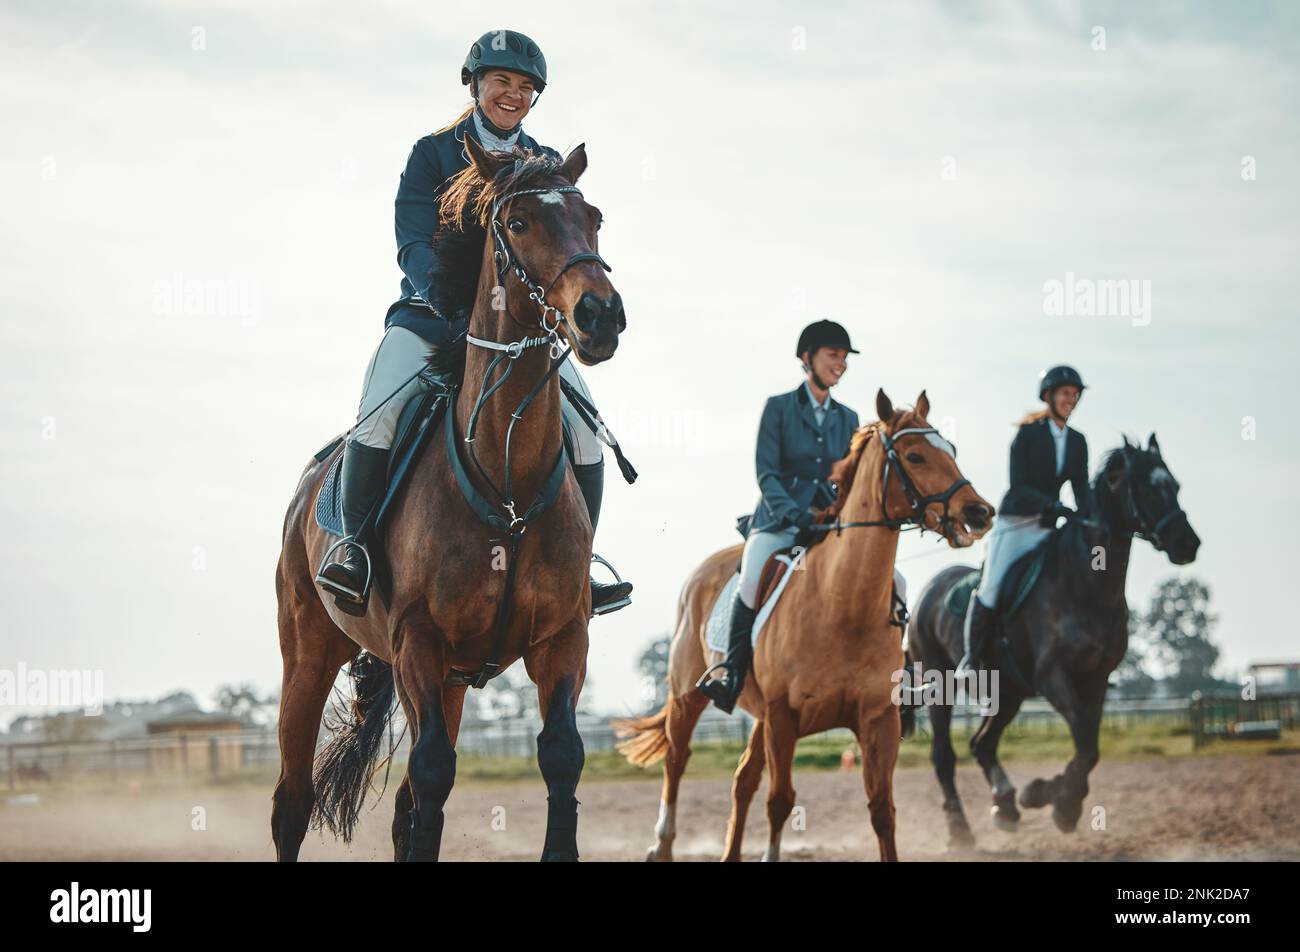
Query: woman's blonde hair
1033,417
458,120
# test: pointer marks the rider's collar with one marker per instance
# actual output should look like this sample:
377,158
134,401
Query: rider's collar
491,136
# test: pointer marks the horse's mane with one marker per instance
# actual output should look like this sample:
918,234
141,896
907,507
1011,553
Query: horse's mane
464,213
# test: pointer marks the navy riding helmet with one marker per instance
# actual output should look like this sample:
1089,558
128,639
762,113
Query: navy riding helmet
1058,376
505,49
823,334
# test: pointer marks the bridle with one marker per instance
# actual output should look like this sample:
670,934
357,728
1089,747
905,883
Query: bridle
506,259
504,515
919,504
1133,512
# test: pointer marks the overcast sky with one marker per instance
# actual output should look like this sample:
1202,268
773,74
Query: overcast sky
918,172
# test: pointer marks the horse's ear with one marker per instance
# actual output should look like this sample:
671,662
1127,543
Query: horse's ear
884,407
1127,444
487,164
923,406
1152,445
575,163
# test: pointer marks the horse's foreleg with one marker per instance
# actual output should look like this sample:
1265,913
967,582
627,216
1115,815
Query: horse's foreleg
779,738
314,650
683,713
748,776
984,745
421,671
1082,712
558,666
944,759
878,736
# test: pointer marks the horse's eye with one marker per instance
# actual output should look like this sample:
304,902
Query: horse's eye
517,226
599,222
915,458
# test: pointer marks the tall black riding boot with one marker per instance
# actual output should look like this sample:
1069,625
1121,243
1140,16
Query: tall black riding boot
605,596
980,618
740,653
365,472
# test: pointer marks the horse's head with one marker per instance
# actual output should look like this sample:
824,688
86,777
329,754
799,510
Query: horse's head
542,244
903,468
1143,498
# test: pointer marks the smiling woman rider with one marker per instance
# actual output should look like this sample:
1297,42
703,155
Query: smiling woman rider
424,336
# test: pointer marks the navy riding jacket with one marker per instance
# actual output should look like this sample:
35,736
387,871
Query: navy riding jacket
795,456
432,163
1035,484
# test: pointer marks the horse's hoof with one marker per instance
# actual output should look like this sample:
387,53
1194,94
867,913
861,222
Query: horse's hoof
1004,821
1066,820
1034,796
1005,815
655,855
560,856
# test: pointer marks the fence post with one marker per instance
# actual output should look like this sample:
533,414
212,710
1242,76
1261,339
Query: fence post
185,753
1196,716
214,758
13,770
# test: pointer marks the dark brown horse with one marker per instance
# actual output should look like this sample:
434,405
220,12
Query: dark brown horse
1063,643
450,571
828,656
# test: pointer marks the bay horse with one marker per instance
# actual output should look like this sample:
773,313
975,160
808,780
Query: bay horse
1063,643
827,655
455,615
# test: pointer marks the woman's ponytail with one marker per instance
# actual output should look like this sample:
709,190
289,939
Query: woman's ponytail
458,120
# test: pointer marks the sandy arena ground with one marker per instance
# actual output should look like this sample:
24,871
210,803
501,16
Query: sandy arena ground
1224,807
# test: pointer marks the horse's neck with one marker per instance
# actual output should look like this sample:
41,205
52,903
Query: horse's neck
1105,585
858,563
537,435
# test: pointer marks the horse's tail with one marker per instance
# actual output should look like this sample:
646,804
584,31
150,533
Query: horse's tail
345,766
645,739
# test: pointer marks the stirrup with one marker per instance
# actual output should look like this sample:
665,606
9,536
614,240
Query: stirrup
721,693
337,588
618,579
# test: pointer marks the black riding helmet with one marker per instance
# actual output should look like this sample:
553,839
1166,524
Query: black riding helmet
505,49
1058,376
823,334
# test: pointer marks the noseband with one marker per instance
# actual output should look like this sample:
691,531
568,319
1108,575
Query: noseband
918,503
1144,529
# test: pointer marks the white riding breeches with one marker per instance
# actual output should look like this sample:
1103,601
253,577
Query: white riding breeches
402,353
1012,537
759,548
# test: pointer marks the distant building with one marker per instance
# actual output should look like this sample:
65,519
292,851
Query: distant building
1276,677
195,742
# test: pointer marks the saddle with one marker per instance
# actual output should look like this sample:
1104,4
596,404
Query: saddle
1017,586
415,426
1018,583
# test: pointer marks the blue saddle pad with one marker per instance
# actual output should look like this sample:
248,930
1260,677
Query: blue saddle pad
414,426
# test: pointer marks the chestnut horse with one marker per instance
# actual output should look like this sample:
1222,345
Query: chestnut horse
451,575
827,654
1063,643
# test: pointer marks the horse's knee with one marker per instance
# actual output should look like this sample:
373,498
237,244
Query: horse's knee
560,753
432,768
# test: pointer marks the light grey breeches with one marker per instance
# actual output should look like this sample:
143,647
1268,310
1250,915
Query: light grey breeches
402,353
759,548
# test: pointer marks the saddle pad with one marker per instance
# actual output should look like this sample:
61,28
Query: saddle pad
412,431
958,598
717,630
1016,586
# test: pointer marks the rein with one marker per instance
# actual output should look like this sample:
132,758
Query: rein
919,503
1143,528
503,515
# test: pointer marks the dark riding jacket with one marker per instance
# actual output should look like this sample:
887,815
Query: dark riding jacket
430,166
795,456
1035,484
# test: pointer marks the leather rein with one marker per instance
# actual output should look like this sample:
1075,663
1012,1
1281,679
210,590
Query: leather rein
503,514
